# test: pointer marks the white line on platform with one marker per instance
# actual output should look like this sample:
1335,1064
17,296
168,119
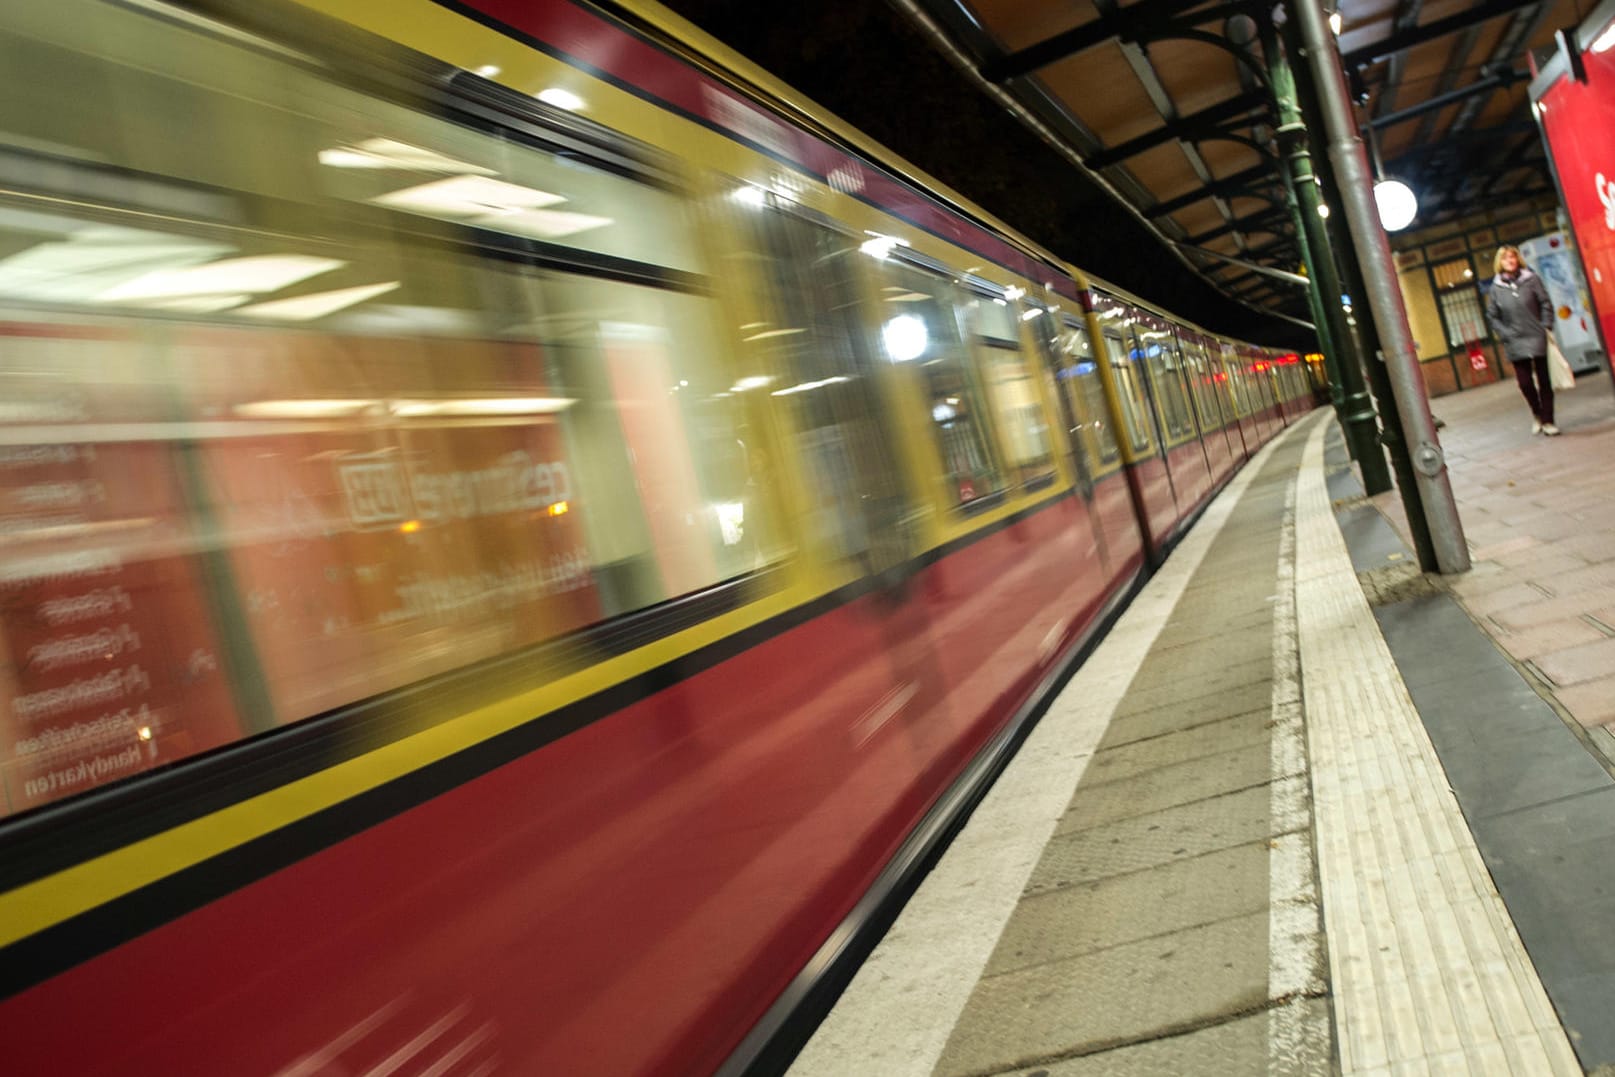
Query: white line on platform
895,1017
1427,972
1293,929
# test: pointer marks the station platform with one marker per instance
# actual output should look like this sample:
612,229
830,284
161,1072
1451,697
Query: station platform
1305,810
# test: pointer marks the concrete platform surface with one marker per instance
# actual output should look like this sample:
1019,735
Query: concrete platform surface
1294,816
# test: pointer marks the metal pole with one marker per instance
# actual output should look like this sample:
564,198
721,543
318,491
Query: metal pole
1353,404
1365,340
1384,294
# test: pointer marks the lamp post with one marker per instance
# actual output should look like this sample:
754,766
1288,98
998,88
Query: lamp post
1384,294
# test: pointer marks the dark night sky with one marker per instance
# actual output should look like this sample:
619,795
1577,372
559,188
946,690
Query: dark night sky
867,64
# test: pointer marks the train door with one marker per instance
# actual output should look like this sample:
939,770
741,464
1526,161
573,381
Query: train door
1073,380
857,503
1146,465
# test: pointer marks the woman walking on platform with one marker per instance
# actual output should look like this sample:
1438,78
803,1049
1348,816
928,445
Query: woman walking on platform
1521,316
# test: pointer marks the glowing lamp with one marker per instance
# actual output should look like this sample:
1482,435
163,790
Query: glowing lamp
1397,204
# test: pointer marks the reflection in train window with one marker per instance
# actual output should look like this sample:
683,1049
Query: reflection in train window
1009,385
273,450
1079,375
920,331
1155,348
1128,392
858,504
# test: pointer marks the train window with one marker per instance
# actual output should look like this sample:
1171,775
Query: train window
1128,392
1009,385
259,460
1079,374
260,126
920,331
1156,350
859,507
995,319
1202,386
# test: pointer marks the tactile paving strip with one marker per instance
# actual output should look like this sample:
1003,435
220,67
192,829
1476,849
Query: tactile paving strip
1427,972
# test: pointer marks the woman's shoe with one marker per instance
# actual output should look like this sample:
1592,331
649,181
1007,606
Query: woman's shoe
1550,430
1536,426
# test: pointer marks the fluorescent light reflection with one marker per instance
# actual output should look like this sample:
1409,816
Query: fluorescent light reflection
463,408
756,381
468,196
305,409
305,308
879,247
473,408
809,386
1602,43
260,273
562,99
389,153
507,207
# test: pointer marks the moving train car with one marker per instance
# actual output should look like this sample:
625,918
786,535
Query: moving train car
519,535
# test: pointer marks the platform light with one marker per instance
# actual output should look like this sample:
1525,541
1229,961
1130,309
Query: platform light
487,71
562,99
1397,204
746,385
905,338
750,195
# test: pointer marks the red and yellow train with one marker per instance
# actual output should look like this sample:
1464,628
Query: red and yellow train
517,534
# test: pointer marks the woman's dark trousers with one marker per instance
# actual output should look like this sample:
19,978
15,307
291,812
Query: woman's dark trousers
1539,395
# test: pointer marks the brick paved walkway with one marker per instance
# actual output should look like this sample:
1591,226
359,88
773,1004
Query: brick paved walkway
1539,514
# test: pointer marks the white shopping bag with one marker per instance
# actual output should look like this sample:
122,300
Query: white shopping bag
1560,376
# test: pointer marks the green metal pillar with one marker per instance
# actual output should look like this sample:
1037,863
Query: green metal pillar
1354,406
1379,378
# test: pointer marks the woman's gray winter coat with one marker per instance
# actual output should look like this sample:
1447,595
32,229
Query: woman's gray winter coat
1521,314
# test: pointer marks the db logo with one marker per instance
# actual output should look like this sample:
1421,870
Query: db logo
1606,195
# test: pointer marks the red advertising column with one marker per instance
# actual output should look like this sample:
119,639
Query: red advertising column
1577,118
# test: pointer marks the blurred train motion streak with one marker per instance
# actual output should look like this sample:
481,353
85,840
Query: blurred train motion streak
512,526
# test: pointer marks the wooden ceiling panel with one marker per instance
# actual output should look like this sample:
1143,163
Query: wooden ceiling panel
1226,158
1433,10
1101,91
1505,106
1165,171
1017,24
1487,41
1121,112
1244,207
1196,75
1201,217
